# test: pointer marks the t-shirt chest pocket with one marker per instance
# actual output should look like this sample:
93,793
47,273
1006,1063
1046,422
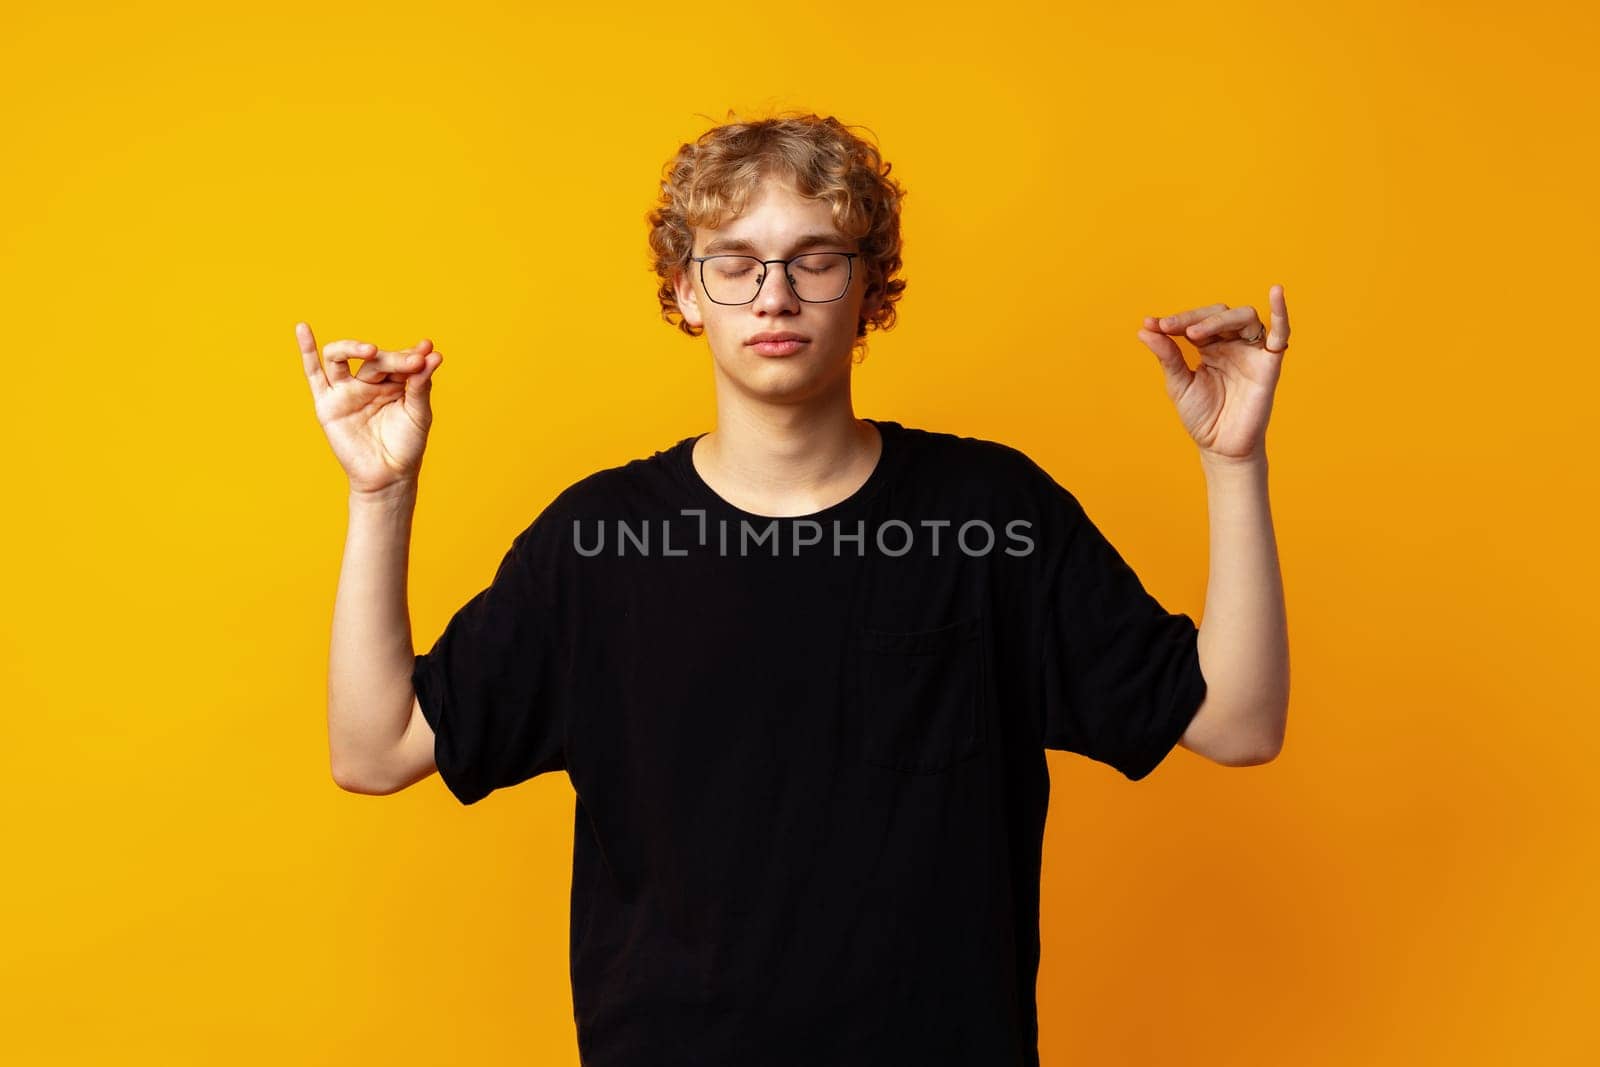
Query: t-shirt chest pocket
922,695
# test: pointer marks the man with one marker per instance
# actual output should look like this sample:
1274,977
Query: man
802,669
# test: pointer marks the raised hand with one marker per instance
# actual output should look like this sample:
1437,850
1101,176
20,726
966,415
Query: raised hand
376,419
1226,401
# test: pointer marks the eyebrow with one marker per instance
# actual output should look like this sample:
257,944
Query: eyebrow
810,240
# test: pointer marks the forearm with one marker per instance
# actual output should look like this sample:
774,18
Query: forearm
370,654
1244,639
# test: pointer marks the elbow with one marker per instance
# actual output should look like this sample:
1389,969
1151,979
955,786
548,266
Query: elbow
1251,747
1259,755
1263,750
353,778
345,779
1234,740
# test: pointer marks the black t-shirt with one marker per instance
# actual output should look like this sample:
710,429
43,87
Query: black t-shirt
809,753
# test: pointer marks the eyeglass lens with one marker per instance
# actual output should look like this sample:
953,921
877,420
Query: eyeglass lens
818,276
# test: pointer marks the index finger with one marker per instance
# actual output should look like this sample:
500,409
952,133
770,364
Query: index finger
1180,322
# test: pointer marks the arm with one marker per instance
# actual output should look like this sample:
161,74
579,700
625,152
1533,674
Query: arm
378,741
377,420
1244,641
1225,404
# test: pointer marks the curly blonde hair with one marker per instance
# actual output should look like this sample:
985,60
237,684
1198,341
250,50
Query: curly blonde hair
713,177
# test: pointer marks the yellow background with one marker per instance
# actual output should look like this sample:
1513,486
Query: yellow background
1412,881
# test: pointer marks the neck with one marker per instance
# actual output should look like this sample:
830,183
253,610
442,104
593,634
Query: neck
787,459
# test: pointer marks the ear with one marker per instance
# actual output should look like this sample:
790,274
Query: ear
688,297
873,299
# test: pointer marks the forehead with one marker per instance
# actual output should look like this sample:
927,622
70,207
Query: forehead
775,219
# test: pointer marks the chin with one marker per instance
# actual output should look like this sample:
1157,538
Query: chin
776,377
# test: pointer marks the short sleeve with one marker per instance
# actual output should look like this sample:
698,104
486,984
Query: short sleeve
490,685
1121,674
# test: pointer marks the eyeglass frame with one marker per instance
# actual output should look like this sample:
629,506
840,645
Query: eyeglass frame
850,273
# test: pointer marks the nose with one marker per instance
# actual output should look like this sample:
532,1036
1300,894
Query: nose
777,295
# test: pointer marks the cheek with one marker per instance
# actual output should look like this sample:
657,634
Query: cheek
723,336
716,325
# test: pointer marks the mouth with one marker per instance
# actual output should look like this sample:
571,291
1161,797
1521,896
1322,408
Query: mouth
779,348
778,342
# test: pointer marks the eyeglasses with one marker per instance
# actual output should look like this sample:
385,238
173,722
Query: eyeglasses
816,277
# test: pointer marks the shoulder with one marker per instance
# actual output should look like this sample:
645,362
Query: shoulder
968,452
1001,472
617,491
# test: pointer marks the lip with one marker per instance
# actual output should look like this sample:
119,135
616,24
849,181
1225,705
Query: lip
777,342
777,348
